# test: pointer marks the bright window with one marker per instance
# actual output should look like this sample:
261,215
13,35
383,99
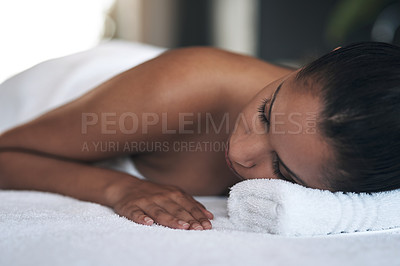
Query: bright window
36,30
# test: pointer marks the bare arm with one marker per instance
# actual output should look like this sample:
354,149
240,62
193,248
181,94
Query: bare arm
141,201
29,171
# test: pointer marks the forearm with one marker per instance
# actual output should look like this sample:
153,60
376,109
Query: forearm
34,136
27,171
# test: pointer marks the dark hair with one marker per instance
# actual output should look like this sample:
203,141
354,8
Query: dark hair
359,88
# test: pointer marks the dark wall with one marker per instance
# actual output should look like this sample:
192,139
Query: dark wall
297,30
291,29
194,22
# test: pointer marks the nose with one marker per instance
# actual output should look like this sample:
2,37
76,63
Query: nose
247,150
241,160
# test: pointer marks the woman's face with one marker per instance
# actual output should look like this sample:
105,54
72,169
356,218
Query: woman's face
276,136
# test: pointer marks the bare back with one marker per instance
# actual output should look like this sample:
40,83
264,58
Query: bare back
172,115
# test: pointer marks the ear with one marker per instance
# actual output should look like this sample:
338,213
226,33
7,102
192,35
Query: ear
337,48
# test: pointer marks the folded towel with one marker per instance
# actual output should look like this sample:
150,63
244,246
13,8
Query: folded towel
280,207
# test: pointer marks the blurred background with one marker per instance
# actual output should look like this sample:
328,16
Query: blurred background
286,32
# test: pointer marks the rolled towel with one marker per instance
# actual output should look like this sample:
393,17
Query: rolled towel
280,207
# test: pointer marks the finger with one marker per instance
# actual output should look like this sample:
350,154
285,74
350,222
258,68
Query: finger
194,208
203,209
163,217
206,212
180,212
138,216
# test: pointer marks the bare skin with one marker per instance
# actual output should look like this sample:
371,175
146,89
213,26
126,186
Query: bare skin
195,81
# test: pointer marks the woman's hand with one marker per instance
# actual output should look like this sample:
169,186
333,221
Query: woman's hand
145,202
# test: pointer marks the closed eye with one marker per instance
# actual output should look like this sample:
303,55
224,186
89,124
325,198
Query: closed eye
277,171
261,111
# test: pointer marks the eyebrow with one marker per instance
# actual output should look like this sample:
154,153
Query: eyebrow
295,177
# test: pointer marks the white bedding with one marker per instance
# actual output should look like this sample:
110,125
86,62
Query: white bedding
55,82
47,229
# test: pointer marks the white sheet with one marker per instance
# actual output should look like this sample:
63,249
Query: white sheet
47,229
55,82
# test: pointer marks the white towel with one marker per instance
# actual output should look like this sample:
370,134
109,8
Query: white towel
280,207
46,229
60,80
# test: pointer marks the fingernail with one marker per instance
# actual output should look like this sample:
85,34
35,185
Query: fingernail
206,225
198,227
183,223
148,220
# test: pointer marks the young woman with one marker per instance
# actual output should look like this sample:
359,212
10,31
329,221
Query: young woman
198,120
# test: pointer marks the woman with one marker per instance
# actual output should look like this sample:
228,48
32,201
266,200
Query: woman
330,125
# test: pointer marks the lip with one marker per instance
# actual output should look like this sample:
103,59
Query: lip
229,163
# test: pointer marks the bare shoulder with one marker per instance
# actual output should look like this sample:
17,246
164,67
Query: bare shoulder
183,80
226,61
212,68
